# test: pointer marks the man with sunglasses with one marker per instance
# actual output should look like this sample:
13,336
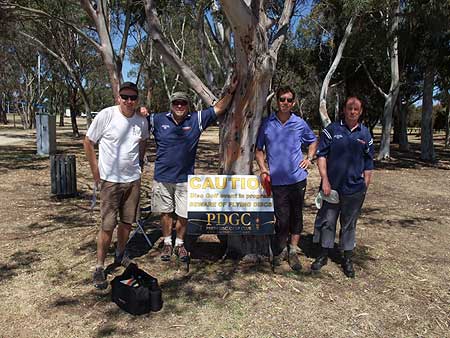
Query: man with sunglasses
122,135
280,139
177,133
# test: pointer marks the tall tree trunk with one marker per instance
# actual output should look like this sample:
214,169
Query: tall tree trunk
255,62
447,123
73,110
426,136
59,106
3,117
396,119
391,97
324,117
403,126
255,65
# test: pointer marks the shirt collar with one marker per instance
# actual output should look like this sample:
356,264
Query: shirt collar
358,127
273,117
170,116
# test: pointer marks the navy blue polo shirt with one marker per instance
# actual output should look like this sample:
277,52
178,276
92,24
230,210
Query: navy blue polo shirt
349,154
176,144
283,147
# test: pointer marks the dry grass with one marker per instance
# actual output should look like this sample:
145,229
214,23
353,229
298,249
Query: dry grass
403,263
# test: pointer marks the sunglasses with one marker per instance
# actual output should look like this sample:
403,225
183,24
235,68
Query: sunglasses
179,103
126,97
282,99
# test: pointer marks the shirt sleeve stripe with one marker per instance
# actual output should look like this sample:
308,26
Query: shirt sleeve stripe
200,120
371,142
327,134
152,122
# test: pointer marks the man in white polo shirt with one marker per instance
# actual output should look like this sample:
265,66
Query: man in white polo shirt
122,135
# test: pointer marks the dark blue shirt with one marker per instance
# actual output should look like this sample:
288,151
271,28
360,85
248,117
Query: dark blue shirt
349,154
283,147
176,144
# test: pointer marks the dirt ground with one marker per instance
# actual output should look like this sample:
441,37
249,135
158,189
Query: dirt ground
402,287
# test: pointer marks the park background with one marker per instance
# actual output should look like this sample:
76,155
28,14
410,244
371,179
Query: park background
73,54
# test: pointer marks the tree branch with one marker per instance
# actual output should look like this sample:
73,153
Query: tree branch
283,26
239,15
380,90
59,20
171,58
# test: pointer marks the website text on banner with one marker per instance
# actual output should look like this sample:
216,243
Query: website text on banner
225,204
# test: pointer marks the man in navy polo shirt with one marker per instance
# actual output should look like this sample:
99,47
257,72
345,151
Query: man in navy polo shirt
281,137
345,161
177,133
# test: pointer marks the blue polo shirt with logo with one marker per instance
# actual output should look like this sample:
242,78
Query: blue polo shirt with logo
349,154
283,147
176,144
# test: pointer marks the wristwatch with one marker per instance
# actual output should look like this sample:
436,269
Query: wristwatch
310,158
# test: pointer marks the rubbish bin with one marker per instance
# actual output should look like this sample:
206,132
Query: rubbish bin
63,175
45,134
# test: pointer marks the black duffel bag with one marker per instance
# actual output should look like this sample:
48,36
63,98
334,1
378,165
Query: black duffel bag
136,292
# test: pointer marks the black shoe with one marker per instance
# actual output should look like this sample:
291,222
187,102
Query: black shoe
319,263
347,266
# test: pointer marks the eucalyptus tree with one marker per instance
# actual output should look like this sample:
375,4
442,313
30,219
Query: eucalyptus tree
432,31
335,14
256,38
256,31
391,17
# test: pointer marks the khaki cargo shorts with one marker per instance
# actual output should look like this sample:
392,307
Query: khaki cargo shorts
118,199
170,197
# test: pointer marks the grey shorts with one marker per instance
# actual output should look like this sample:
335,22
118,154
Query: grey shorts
170,197
118,199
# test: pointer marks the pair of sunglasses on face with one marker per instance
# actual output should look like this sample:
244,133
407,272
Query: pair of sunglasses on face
282,99
126,97
179,103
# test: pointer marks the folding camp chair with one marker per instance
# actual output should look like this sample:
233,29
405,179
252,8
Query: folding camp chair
140,226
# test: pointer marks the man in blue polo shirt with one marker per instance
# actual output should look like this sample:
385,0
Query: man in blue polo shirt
281,137
345,161
177,134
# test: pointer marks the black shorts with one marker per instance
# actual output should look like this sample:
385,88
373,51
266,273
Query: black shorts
288,207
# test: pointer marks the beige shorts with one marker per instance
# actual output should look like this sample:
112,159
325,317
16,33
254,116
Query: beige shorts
170,197
118,199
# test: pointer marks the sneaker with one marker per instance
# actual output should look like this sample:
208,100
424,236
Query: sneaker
294,261
99,278
278,259
122,259
182,253
166,253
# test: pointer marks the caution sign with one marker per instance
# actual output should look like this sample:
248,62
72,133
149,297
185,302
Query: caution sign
229,204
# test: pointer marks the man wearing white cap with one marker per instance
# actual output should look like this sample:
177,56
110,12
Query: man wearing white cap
345,161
